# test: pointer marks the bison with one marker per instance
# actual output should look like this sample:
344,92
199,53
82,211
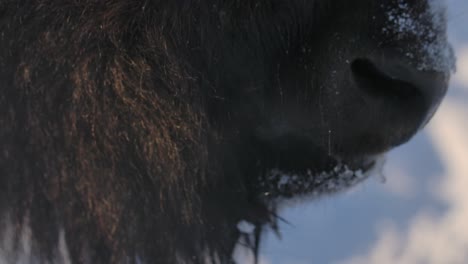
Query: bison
143,131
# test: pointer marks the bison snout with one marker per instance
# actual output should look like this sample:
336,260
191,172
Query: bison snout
400,86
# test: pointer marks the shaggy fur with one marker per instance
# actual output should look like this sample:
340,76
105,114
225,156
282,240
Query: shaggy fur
134,125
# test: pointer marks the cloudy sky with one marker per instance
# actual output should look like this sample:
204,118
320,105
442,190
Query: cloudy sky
415,211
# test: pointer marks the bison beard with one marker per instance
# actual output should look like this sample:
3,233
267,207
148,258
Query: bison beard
146,130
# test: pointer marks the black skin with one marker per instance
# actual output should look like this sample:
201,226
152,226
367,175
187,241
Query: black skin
146,130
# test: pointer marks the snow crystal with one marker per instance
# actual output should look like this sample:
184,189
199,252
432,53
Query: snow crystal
279,185
245,227
430,27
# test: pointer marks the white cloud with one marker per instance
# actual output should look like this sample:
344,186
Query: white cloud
461,76
432,238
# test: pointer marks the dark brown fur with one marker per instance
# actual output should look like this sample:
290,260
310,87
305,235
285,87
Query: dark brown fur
121,123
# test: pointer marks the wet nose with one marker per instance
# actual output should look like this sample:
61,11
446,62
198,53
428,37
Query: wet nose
400,86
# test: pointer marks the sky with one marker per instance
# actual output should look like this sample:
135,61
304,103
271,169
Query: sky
414,211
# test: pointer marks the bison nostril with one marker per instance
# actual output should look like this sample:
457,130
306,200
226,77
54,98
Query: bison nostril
380,84
404,96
